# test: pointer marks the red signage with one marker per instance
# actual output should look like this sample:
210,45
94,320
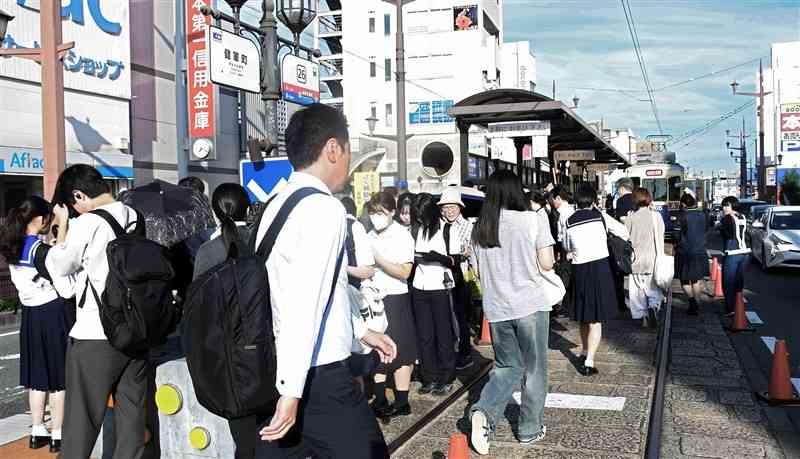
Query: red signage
790,122
654,172
199,85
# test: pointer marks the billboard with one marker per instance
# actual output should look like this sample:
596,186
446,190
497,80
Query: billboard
790,122
465,17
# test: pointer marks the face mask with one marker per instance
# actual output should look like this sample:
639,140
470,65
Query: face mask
380,221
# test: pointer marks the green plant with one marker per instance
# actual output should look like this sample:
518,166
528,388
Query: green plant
790,187
9,304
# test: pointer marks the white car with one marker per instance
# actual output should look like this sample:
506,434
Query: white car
775,237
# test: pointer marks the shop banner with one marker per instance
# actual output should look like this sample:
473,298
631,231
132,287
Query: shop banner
200,89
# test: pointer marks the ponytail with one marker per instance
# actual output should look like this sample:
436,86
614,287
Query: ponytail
14,231
230,203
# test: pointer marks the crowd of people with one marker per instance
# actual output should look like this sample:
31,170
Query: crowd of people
400,307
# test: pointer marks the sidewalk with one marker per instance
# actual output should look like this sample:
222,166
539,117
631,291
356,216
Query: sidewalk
581,417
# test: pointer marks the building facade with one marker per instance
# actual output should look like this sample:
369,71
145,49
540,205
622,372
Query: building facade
97,96
453,49
782,109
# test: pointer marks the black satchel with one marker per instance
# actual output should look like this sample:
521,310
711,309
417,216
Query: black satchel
621,254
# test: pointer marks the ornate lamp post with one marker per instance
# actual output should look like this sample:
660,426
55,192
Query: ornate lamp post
297,15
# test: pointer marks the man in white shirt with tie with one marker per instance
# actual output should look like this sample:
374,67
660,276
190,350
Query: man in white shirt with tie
321,412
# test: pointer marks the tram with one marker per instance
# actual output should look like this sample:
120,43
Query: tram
664,180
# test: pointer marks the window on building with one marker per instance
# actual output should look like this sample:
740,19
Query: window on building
387,24
389,115
372,69
387,69
371,25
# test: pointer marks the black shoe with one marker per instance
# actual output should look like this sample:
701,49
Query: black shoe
380,408
581,360
464,362
442,389
587,371
396,411
37,442
652,319
427,388
55,446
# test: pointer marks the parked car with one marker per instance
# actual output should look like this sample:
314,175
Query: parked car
746,206
756,212
776,237
715,215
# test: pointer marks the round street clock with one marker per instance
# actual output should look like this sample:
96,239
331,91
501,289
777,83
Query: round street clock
202,148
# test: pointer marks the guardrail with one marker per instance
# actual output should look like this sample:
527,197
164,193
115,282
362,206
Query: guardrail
661,360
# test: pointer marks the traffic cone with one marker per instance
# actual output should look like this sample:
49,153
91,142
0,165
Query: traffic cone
110,402
714,268
486,335
780,385
739,323
718,293
459,448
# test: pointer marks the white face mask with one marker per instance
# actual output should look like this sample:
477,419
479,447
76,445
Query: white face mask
380,221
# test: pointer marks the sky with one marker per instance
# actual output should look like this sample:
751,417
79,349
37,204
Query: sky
586,44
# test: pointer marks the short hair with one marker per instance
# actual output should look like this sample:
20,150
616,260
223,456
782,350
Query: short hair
193,183
641,198
626,183
83,178
310,129
349,205
585,197
538,197
688,200
731,201
560,191
382,200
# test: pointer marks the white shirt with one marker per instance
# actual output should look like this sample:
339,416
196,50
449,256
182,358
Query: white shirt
586,238
564,212
33,289
430,275
300,270
396,245
362,242
85,249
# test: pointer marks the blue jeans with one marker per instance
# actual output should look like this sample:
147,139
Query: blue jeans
520,353
733,278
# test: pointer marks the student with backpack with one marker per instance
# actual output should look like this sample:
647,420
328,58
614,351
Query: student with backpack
320,411
107,348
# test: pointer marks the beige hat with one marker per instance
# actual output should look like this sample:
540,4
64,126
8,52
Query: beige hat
451,195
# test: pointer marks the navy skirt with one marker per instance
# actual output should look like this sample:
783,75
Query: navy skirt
691,268
43,345
592,296
402,331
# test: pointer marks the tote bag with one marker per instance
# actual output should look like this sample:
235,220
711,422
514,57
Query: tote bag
664,266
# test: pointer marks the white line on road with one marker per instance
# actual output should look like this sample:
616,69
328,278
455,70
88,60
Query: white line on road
9,357
753,318
9,333
769,341
796,383
578,402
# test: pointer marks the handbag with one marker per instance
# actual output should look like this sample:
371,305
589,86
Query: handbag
369,301
621,254
664,265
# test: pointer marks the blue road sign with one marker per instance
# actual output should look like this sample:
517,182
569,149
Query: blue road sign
261,177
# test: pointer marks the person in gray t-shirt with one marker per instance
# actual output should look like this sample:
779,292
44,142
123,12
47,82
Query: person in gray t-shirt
513,250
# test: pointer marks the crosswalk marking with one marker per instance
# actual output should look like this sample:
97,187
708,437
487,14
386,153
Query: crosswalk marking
578,402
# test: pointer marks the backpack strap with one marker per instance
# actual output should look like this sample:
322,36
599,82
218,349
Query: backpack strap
350,244
265,248
324,320
102,213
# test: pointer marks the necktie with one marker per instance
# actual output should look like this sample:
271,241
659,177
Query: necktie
447,237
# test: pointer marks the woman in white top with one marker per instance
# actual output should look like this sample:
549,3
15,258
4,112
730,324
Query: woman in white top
433,315
45,316
393,251
593,298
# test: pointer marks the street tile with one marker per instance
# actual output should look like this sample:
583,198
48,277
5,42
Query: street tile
602,439
736,397
717,448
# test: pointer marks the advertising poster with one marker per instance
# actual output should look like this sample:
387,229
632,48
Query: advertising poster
365,184
465,17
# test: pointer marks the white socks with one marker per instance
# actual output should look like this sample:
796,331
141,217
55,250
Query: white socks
40,431
56,434
589,363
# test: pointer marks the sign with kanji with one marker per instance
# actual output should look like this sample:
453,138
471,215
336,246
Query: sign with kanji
200,88
299,80
790,122
233,60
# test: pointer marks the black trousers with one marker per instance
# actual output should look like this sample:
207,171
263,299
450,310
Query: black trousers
245,436
434,322
94,370
462,304
334,421
619,286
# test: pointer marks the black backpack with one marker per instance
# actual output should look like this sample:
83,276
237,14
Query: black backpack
227,330
350,249
620,251
137,308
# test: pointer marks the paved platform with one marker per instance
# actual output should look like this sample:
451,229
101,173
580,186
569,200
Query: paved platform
573,430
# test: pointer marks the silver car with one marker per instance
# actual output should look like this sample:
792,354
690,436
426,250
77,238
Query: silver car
775,237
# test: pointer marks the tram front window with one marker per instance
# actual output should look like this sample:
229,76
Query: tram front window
657,188
675,188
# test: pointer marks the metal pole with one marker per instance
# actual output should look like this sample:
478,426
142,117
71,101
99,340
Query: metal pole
53,141
270,92
181,101
402,167
762,176
743,163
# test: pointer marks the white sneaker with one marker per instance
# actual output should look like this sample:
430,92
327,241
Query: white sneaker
534,439
480,433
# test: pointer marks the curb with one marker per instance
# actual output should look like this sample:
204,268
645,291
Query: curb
8,319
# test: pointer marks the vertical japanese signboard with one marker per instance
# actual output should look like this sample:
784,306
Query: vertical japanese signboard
200,89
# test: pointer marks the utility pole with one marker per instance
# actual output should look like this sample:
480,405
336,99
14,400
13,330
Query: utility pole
762,169
400,77
742,158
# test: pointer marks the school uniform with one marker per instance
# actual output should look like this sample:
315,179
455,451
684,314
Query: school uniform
691,258
94,368
733,228
433,313
45,319
333,418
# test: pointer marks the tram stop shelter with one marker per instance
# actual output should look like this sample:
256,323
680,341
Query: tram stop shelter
571,141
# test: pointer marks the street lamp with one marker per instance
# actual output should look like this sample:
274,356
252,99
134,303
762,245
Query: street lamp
780,159
297,15
371,122
5,18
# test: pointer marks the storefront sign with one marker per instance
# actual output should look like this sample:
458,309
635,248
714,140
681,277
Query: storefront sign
299,80
200,89
426,112
575,155
233,60
30,161
519,129
790,122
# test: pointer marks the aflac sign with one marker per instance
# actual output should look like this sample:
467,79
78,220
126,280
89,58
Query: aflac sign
74,10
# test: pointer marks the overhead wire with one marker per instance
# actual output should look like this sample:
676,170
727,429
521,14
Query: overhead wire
688,137
640,58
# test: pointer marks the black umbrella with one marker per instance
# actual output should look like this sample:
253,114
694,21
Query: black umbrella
172,213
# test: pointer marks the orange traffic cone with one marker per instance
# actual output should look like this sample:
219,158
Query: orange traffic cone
718,293
486,335
714,268
110,402
459,448
740,322
780,384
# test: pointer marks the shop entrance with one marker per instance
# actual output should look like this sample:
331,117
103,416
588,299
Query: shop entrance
15,188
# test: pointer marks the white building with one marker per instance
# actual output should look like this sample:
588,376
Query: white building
452,50
783,80
97,96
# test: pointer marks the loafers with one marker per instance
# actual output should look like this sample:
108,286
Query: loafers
55,446
37,442
394,411
587,371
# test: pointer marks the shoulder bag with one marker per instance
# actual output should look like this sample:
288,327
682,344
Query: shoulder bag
664,265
